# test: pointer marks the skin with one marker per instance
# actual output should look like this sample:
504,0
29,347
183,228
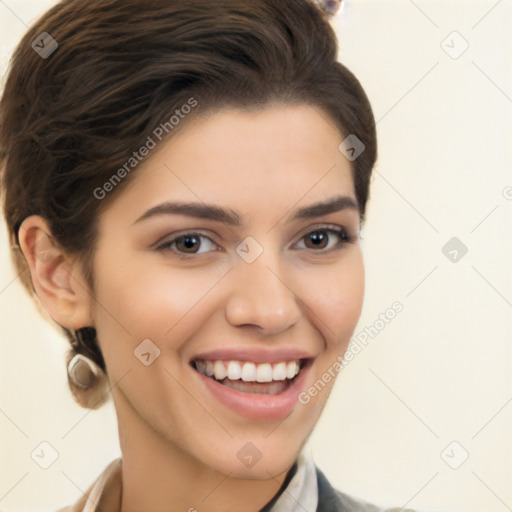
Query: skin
179,443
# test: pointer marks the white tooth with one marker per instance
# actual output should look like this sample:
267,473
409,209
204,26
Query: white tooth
279,371
264,372
292,368
219,370
249,372
234,370
209,368
201,367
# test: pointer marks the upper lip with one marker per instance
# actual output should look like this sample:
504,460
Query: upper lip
255,355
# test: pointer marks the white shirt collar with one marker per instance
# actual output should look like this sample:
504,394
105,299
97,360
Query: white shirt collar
301,494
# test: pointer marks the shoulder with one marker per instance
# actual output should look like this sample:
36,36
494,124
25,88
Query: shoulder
104,494
77,507
332,500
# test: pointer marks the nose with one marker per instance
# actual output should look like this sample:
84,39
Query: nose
262,298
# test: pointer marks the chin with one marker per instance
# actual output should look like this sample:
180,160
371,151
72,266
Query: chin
259,459
261,470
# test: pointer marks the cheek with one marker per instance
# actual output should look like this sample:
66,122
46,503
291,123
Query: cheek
155,302
335,295
335,302
152,296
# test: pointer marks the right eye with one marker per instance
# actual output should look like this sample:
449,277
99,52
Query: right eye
187,244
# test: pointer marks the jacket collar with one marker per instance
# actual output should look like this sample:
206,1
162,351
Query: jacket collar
301,494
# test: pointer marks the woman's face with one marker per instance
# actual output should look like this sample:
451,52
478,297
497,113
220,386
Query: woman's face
222,255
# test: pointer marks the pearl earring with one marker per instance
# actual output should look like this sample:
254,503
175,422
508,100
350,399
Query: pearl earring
82,371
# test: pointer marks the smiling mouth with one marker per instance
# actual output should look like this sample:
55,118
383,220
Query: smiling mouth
250,377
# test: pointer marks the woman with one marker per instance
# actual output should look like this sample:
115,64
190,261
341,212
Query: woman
186,183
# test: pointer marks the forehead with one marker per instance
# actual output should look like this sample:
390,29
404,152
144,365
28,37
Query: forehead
248,160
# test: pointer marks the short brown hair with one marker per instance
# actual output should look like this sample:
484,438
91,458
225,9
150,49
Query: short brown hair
71,119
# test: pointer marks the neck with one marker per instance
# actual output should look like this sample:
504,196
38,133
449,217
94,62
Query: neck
158,475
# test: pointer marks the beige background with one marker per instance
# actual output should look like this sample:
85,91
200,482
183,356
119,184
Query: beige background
441,371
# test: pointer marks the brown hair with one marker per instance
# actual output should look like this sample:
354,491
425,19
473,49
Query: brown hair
71,119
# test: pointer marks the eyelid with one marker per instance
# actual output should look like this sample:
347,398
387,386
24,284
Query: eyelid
170,238
325,225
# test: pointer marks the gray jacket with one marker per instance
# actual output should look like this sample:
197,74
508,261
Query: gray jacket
332,500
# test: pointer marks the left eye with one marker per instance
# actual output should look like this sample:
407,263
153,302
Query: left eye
190,243
323,239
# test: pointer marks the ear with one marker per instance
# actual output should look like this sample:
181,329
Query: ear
57,277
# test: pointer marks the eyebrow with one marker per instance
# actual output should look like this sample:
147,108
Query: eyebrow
233,218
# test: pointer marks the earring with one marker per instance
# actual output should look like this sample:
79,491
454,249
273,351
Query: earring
329,7
83,372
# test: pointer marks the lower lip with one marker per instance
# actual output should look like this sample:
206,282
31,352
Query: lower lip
258,406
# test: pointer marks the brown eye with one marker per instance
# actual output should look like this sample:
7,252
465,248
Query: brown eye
188,243
324,240
316,240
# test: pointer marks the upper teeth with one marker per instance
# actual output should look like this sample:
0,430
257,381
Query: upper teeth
248,371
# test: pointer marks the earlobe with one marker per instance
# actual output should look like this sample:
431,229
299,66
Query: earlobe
56,276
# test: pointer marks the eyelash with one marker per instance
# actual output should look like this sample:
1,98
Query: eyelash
343,239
